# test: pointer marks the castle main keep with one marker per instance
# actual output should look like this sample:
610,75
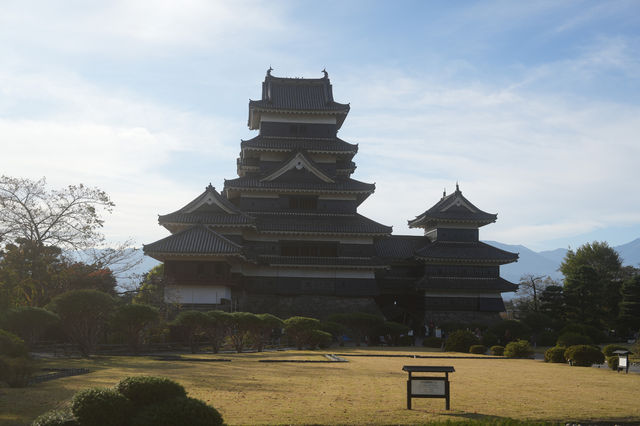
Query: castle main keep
285,236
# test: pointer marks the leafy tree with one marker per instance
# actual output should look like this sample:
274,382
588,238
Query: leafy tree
29,323
217,328
592,283
264,329
193,323
552,302
300,330
83,315
132,320
630,305
151,290
38,225
31,275
242,325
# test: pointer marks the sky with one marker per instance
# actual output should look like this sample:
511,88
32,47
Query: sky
533,107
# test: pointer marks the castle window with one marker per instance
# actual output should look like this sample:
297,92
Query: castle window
303,203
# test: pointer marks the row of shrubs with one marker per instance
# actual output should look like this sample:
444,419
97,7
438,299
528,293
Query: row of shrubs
134,401
583,355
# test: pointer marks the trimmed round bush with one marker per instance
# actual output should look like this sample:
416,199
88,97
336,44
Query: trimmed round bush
478,349
612,362
146,390
432,342
101,407
178,411
608,350
320,338
11,345
56,418
518,349
497,350
571,338
460,341
555,354
583,355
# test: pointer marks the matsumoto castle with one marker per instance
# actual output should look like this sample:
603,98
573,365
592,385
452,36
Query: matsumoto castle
285,236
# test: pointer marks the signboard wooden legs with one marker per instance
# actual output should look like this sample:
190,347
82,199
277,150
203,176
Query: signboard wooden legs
428,386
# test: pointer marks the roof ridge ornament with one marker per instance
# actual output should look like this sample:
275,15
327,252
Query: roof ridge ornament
324,71
457,187
269,71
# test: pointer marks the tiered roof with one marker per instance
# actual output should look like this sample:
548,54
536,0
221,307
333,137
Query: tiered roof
452,208
312,145
296,96
464,252
319,224
197,240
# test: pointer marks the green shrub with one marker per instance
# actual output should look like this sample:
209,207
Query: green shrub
432,342
518,349
299,330
16,372
595,334
497,350
178,411
460,341
11,345
555,354
583,355
320,338
612,362
56,418
489,339
608,350
145,390
101,407
571,338
478,349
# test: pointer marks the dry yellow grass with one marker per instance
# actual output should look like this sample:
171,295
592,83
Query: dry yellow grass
365,390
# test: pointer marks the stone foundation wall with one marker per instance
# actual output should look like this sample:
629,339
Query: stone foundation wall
304,305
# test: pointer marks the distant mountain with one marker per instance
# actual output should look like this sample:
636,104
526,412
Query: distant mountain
630,253
529,262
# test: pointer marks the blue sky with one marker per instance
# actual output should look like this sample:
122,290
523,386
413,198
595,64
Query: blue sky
534,107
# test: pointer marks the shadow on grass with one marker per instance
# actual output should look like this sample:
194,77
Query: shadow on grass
485,419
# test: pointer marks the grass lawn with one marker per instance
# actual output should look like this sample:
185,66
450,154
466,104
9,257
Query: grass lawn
365,390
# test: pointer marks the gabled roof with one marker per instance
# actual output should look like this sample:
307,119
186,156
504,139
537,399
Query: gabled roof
197,240
467,252
209,208
314,145
452,208
296,95
297,161
279,223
